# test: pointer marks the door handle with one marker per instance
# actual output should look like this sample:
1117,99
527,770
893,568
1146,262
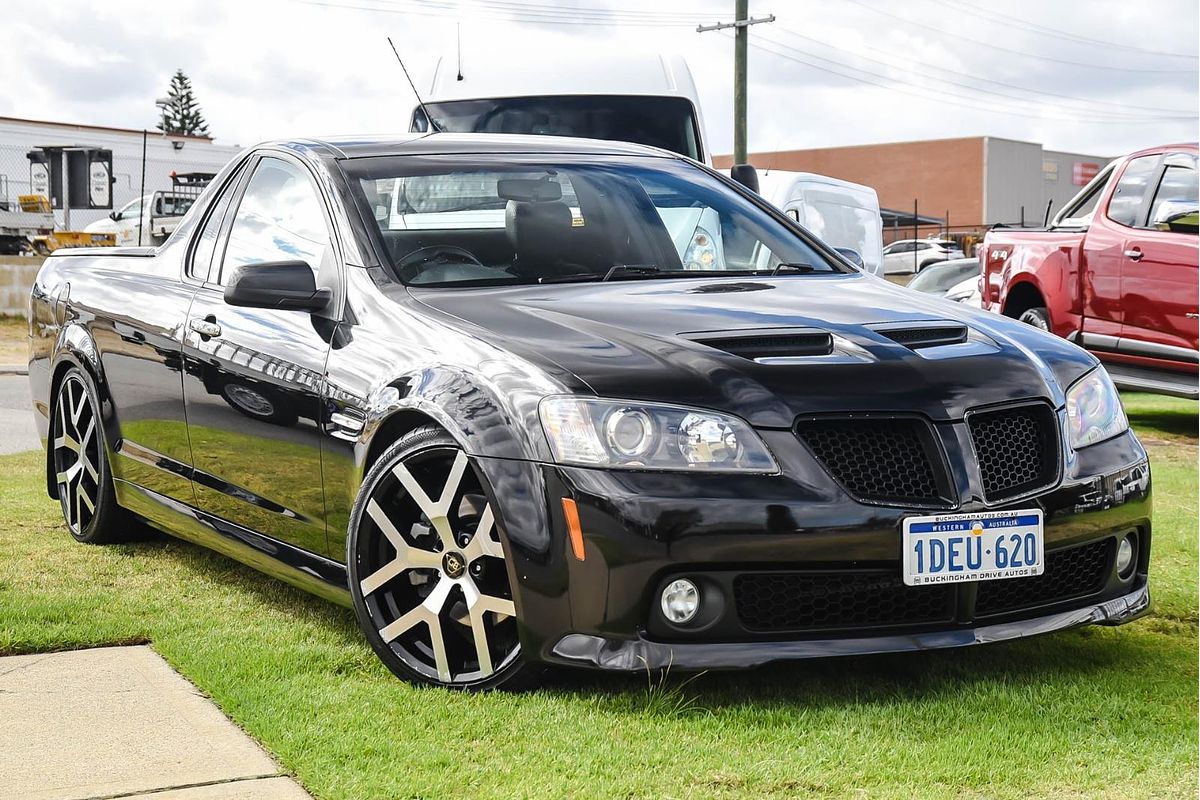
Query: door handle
1133,254
207,327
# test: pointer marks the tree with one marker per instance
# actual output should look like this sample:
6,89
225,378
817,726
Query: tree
181,114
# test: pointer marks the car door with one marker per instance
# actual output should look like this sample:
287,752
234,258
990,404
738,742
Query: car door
254,376
897,257
1159,269
1104,251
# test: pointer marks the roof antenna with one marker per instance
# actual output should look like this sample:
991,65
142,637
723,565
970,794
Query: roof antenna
413,86
458,43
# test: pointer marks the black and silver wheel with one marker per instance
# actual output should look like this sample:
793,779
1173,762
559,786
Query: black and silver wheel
427,570
80,462
1037,317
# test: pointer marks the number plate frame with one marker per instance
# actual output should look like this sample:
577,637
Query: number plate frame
970,539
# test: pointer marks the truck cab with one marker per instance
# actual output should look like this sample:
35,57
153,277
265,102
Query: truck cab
1116,271
649,99
843,214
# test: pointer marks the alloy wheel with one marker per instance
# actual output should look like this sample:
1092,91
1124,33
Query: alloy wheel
76,442
433,577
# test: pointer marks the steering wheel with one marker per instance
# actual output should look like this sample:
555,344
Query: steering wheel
412,264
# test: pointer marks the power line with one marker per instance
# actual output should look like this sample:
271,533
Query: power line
1054,95
1022,53
975,11
446,10
934,94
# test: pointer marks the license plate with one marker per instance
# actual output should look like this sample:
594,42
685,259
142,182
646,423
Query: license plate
984,546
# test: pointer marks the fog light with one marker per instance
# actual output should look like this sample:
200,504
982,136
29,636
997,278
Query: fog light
1125,555
680,601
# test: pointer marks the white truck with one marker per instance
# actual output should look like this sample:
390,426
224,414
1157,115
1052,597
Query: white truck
151,219
644,99
844,215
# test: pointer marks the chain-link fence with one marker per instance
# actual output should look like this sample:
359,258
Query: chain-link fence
163,157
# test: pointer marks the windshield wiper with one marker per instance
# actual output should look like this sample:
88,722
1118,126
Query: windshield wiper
794,266
632,270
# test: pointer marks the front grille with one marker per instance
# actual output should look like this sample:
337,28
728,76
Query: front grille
789,601
879,460
1077,572
1016,448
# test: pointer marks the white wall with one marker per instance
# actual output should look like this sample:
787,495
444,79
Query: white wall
17,137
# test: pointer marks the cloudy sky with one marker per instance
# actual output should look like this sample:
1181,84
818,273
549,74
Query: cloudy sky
1100,77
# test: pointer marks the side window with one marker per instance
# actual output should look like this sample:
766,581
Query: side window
200,266
131,211
1177,197
1080,210
1126,203
280,218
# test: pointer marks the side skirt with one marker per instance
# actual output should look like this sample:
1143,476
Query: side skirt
312,573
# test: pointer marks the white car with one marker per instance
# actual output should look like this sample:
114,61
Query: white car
913,255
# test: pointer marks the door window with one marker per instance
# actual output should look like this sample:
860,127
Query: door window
1129,197
201,263
280,218
131,211
1177,197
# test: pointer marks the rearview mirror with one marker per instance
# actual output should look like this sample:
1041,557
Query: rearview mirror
1178,216
853,256
746,175
287,285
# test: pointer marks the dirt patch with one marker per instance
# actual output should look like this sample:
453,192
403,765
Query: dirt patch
14,340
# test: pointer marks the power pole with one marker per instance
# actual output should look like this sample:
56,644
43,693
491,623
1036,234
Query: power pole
740,24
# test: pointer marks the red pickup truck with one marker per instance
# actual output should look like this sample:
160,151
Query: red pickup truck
1116,271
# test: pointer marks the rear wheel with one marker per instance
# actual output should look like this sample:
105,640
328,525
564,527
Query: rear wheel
428,574
1037,317
79,459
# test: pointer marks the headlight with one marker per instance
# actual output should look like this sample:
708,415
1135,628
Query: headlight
1094,410
589,432
701,253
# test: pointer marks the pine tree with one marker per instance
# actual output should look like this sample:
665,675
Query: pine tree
182,113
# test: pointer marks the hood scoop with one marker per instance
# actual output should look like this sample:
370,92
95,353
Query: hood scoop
915,337
765,344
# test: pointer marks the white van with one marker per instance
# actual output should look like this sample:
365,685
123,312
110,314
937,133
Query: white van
644,99
842,214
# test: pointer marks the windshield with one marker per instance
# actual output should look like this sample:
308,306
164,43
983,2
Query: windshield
666,122
938,278
446,221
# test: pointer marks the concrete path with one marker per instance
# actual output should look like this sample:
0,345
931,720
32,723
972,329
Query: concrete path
17,431
119,722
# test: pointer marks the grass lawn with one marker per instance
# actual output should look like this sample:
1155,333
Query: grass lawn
1087,713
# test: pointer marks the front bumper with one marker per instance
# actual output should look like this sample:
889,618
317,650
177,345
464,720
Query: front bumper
640,530
629,655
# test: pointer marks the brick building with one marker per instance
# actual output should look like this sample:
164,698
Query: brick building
976,181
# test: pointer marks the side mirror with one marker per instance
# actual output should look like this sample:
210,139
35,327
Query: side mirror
853,256
1177,216
746,175
114,215
276,284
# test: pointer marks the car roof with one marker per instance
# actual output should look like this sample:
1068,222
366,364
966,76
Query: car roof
469,143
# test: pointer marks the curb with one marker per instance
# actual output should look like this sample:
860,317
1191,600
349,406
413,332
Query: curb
14,369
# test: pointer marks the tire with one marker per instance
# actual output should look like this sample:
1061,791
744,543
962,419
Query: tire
1037,317
260,404
428,572
79,464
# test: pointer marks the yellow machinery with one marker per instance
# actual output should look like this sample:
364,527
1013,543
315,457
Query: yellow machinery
46,240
